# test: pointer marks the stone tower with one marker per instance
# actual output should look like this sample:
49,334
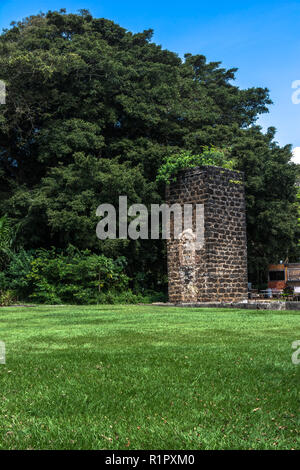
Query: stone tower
214,269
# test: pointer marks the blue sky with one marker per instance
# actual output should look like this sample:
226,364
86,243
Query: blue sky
261,38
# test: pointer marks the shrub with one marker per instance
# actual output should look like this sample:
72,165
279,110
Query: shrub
129,297
7,298
16,275
185,159
74,276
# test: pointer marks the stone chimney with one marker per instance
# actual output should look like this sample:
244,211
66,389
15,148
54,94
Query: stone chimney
213,268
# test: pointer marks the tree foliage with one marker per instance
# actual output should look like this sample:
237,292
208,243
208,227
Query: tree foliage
6,238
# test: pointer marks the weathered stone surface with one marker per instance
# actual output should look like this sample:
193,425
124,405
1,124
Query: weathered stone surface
214,269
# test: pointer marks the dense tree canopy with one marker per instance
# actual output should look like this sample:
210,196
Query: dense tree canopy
92,110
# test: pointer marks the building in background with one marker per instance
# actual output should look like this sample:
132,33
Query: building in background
284,275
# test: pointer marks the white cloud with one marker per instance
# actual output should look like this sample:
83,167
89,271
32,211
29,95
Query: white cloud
296,155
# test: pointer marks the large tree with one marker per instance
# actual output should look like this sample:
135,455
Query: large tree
92,110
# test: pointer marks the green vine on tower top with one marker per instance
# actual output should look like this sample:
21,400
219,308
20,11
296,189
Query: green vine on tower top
185,159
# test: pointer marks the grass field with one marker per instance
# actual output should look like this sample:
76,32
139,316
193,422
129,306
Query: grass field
139,377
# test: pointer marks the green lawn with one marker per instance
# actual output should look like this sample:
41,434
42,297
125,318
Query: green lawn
139,377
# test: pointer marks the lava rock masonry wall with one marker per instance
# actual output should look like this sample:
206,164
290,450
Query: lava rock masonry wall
214,268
